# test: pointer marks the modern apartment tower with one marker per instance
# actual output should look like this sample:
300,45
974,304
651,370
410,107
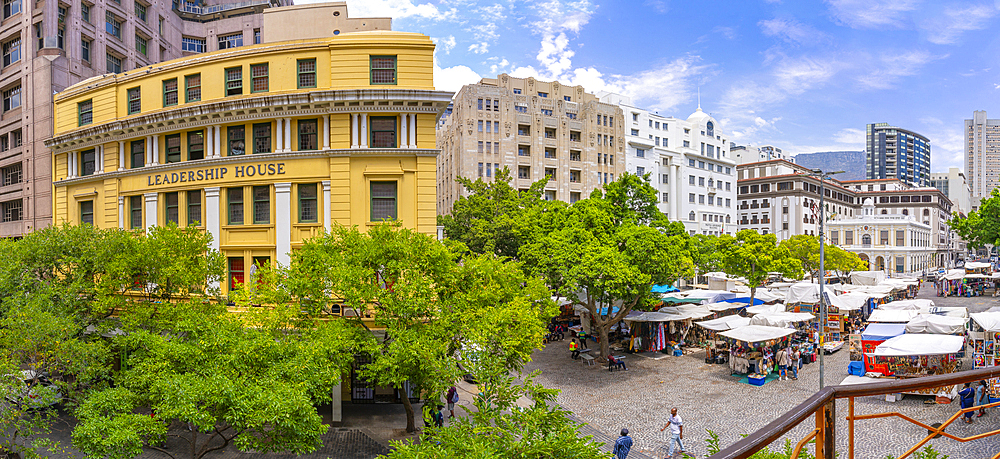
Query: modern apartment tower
49,46
897,153
534,128
982,155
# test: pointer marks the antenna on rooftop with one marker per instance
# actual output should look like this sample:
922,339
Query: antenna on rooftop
699,97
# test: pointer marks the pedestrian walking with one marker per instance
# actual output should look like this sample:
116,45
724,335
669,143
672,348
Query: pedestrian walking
982,397
796,362
452,398
968,397
676,425
782,360
622,445
574,349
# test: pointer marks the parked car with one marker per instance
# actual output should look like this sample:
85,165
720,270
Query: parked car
32,390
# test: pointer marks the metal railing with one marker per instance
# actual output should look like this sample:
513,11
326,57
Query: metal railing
185,7
822,406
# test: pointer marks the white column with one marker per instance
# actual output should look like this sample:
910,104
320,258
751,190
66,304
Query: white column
288,135
283,222
121,212
404,133
151,209
212,221
148,150
156,150
218,141
326,132
69,163
413,131
327,207
209,147
278,145
121,155
364,130
336,407
354,130
99,152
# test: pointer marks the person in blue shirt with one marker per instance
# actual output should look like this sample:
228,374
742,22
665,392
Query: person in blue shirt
968,396
622,445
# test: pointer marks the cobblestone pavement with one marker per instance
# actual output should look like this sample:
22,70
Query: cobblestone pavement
707,397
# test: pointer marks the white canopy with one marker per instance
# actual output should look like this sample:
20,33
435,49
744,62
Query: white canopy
994,308
689,311
757,333
946,311
881,315
725,323
867,277
802,292
954,274
723,306
907,305
765,308
920,344
851,301
877,291
766,296
780,319
654,317
990,321
939,325
895,284
976,265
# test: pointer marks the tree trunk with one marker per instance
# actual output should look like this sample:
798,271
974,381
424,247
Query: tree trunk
753,294
605,346
411,425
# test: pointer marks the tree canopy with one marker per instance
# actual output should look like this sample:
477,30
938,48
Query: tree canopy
752,255
980,228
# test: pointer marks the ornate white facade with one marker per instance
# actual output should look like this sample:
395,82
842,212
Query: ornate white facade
895,243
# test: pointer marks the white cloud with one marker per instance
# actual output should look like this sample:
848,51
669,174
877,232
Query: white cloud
661,6
453,78
791,31
850,136
947,143
555,19
728,32
445,44
872,14
498,65
946,28
892,66
395,9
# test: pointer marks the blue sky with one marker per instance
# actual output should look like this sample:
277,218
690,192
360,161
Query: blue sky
801,75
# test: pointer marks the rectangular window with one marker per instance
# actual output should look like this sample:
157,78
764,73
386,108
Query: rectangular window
138,153
230,41
308,210
383,69
170,92
192,88
88,162
234,81
160,25
85,45
11,174
171,207
134,101
12,98
38,35
235,272
262,138
234,197
12,211
113,25
193,45
85,112
194,207
140,11
135,212
87,212
262,204
883,237
141,44
11,51
690,197
114,63
835,237
173,147
258,78
899,238
237,140
383,131
196,145
256,36
383,203
306,73
11,7
308,136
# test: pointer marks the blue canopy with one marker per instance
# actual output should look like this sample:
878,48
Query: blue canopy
745,299
882,332
665,289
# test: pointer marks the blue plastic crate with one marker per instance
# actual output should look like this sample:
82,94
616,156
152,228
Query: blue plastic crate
757,381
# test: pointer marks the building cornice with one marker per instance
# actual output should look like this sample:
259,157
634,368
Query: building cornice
192,116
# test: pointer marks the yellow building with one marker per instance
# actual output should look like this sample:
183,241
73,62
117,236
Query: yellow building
262,146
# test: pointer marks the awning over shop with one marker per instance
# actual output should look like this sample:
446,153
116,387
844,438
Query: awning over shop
802,292
725,305
725,323
940,325
882,332
867,277
765,308
757,333
990,321
780,319
976,265
906,305
851,301
946,311
881,315
664,289
920,344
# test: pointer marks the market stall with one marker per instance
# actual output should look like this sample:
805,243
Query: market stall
867,277
910,305
716,352
914,355
985,342
781,319
892,316
752,350
937,325
871,338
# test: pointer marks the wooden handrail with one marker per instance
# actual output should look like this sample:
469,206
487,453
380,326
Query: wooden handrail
756,441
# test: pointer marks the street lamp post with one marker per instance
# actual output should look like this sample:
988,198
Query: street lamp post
821,327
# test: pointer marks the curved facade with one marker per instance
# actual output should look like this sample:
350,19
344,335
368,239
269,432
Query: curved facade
261,146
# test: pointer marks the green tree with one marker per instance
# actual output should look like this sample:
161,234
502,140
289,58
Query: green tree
501,427
805,248
496,217
704,250
752,255
981,227
842,262
608,251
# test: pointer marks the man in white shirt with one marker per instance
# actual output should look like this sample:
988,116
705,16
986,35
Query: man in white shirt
676,425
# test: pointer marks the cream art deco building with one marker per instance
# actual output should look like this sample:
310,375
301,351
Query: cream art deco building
895,242
534,128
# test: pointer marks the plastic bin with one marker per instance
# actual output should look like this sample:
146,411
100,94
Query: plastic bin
757,381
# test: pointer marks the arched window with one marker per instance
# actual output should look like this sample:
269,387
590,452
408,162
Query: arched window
884,212
727,219
866,239
906,212
927,212
691,216
710,129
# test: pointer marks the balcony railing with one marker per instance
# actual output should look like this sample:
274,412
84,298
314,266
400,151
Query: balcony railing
193,8
822,406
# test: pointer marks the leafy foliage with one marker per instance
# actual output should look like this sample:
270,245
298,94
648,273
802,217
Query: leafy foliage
981,227
752,255
805,248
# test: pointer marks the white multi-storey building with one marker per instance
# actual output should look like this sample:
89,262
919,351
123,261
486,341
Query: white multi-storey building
746,154
955,186
688,162
897,243
982,155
